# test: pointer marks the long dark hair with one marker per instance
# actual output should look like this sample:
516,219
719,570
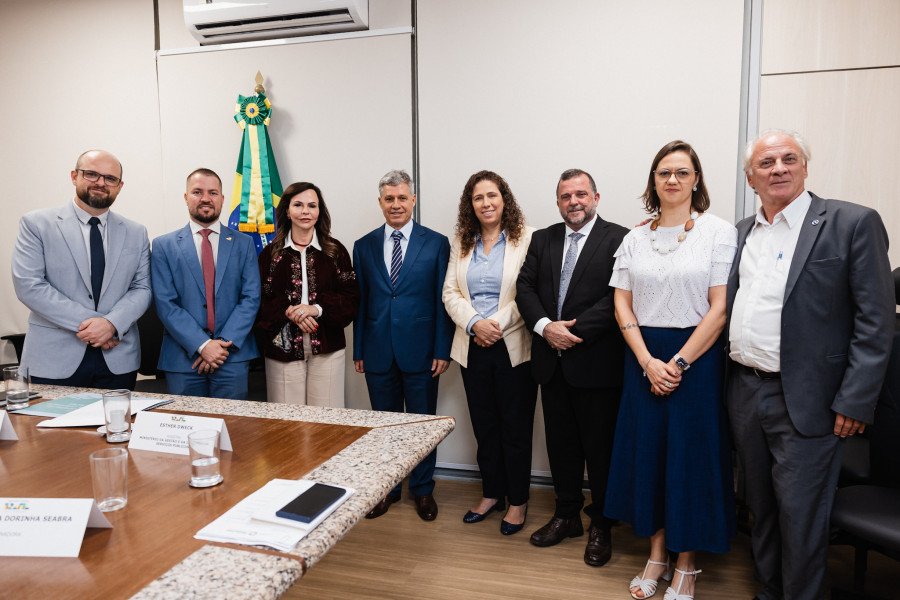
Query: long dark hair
699,198
467,224
283,222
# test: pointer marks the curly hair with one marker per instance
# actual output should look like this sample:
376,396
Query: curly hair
283,223
699,197
468,227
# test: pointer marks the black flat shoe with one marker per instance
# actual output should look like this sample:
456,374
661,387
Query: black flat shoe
474,517
507,528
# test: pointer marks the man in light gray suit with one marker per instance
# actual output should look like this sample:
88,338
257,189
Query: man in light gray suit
85,274
811,309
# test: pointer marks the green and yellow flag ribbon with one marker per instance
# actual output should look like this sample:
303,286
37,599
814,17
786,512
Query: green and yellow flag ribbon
257,186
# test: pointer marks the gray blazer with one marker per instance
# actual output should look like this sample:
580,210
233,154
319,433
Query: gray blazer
52,278
837,321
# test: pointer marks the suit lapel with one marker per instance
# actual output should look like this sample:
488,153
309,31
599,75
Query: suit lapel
598,232
416,243
510,262
115,242
462,269
70,228
557,242
813,222
376,244
743,230
226,245
185,242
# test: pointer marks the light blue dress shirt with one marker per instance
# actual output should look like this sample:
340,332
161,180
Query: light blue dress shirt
484,277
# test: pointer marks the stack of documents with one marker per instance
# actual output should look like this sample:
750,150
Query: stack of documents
252,521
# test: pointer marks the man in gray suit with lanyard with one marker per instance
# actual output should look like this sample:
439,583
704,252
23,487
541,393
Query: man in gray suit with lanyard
84,272
811,305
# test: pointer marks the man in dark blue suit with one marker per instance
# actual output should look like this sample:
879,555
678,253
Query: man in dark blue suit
206,290
402,334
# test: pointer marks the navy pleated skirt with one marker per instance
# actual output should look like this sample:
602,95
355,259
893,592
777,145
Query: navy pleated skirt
671,461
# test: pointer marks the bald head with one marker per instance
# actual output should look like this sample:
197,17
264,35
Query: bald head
91,154
97,178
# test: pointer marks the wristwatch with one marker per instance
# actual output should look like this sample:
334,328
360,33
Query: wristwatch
681,363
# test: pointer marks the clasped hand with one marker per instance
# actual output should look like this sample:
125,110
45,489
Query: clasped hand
303,316
213,356
487,332
664,377
98,332
558,335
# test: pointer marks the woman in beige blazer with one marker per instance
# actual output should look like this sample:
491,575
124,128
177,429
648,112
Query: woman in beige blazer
491,343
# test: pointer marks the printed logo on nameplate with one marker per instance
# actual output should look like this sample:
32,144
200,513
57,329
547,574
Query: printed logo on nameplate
6,428
165,432
46,526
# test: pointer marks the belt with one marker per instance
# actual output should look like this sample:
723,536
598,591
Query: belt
758,373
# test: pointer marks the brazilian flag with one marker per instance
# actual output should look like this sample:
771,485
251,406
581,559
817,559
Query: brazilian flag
257,187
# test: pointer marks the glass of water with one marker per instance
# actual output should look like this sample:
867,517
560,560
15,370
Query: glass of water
109,476
18,385
203,446
117,415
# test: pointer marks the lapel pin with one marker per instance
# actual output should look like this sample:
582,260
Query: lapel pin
228,239
815,222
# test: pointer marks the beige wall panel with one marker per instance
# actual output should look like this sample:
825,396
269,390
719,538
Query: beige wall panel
78,75
814,35
530,88
849,119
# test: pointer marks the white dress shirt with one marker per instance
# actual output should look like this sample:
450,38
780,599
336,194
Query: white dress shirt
83,218
755,331
585,231
406,230
304,290
216,228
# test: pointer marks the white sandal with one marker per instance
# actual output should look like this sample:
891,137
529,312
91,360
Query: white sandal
648,586
673,594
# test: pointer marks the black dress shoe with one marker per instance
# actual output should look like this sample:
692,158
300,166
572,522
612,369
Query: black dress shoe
426,507
556,531
382,507
507,528
599,546
474,517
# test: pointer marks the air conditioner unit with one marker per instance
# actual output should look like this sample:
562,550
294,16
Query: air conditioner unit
224,21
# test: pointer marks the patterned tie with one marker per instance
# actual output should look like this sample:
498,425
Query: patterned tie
209,279
568,266
396,257
98,260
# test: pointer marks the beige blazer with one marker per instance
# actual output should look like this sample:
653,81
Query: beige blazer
459,304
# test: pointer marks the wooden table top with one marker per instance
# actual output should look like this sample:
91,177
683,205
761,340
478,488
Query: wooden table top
155,530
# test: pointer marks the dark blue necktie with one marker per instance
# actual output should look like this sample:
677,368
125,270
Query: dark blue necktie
98,259
396,257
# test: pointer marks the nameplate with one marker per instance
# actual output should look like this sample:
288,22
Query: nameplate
7,432
166,432
46,526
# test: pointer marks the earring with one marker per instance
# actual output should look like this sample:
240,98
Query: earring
695,188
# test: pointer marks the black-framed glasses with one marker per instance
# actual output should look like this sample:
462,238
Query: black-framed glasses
110,180
680,174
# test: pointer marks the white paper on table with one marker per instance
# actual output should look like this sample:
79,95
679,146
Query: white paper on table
47,526
92,414
7,431
283,491
168,432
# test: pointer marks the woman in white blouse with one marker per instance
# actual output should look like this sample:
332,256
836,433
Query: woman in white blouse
671,466
491,343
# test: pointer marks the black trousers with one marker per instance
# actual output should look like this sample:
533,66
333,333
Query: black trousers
93,372
579,424
501,402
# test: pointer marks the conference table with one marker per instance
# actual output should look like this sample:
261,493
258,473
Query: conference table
150,551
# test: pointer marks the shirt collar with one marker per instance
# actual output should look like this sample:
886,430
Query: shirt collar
215,226
406,230
585,229
793,213
314,243
84,216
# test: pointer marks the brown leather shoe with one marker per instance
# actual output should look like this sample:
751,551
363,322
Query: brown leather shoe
426,507
382,507
556,530
599,546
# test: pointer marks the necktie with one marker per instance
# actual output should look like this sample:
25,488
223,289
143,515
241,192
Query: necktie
568,266
396,257
98,260
209,279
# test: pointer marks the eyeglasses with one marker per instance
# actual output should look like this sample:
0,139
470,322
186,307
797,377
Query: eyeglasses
110,180
680,174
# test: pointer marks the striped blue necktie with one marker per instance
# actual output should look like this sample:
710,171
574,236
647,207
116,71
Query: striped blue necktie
565,275
396,257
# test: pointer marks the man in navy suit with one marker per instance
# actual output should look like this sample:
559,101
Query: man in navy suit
206,289
402,334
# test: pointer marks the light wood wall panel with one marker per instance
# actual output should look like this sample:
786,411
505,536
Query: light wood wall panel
850,120
814,35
